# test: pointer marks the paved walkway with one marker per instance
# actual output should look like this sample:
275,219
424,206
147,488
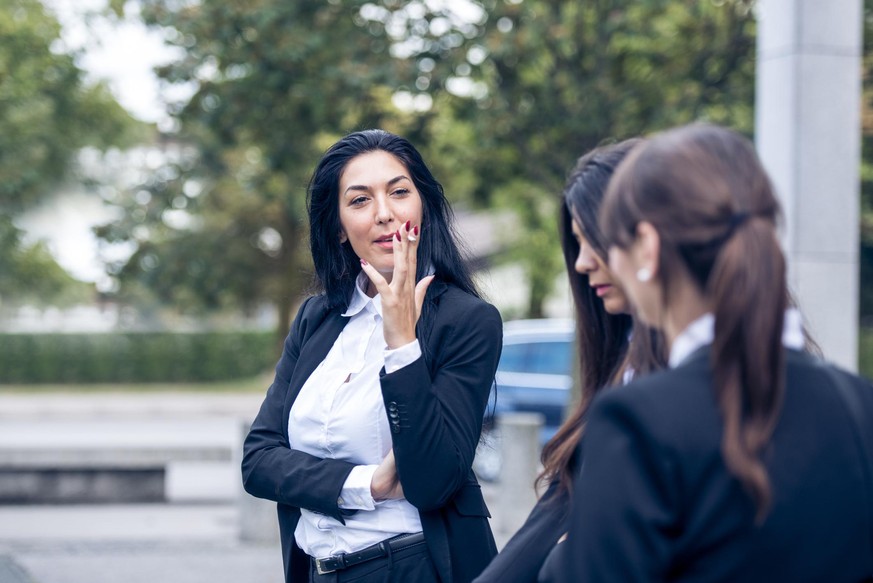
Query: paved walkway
181,542
159,543
142,543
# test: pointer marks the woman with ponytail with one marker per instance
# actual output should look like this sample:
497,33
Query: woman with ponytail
749,459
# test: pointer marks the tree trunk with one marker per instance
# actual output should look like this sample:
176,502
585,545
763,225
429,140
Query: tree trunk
535,306
291,285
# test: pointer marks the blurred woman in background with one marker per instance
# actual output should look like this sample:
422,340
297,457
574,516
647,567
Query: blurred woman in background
611,349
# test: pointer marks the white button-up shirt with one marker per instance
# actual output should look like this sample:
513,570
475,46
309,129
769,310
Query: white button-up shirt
340,414
701,332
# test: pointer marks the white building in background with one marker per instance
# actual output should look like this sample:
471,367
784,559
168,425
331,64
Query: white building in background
486,235
65,222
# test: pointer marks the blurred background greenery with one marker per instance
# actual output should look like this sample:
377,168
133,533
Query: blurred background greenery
501,96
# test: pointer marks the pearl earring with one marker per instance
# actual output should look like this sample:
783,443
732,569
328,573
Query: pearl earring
644,274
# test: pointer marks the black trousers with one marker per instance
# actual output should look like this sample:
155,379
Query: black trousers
410,565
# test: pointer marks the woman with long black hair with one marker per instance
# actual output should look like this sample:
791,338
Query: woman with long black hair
611,350
749,459
367,435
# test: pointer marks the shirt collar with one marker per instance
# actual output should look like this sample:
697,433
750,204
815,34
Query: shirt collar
701,332
360,300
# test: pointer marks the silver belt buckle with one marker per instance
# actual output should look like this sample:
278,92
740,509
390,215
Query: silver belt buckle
320,569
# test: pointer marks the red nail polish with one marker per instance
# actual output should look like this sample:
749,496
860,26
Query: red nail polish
407,226
397,234
364,262
415,231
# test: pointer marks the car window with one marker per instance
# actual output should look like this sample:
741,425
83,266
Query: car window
550,358
513,358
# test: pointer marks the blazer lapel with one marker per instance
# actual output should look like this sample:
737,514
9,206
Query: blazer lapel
313,351
436,289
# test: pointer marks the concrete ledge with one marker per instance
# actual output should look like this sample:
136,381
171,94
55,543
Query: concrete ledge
110,461
81,486
108,457
72,404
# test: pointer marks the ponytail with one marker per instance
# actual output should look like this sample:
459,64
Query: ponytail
705,191
747,286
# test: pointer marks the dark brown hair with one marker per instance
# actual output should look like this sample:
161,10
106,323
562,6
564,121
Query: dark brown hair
707,195
601,338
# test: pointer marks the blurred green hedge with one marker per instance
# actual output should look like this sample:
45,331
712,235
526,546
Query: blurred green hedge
134,357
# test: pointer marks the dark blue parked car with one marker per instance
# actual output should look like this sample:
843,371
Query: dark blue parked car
535,374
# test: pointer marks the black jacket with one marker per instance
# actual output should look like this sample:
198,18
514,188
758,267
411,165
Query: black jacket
523,556
440,398
654,500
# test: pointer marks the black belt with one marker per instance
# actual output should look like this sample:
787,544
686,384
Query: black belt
376,551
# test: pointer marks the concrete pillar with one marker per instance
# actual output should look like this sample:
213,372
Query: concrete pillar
520,449
258,522
808,134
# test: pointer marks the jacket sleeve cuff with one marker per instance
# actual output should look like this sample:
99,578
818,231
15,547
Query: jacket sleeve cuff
355,494
403,356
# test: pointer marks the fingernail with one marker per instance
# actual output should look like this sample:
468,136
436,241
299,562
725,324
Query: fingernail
407,226
397,234
415,231
363,262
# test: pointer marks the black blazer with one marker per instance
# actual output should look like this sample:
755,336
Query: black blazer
522,557
655,502
441,401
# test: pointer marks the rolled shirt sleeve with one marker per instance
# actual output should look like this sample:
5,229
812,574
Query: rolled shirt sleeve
397,358
356,494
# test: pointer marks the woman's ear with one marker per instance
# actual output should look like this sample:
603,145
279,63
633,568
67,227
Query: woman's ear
647,249
343,237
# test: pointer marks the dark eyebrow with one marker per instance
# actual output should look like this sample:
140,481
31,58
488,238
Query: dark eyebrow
364,188
360,187
397,179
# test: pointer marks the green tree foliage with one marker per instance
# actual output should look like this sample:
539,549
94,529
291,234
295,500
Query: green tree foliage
47,113
223,223
520,89
31,271
548,80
